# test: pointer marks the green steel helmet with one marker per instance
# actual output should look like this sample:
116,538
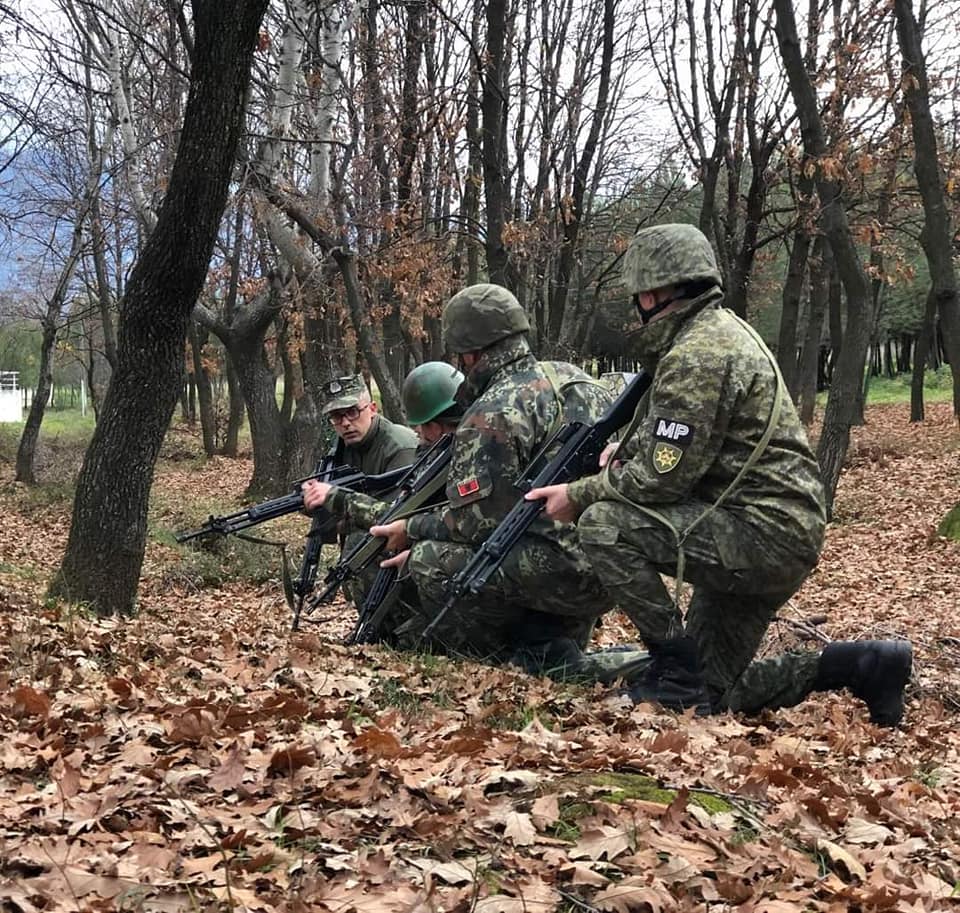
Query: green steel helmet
480,315
429,390
663,255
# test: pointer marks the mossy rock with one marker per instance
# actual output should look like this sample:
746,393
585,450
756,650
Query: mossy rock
950,524
619,787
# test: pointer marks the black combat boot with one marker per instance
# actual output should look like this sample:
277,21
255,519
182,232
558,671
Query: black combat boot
674,678
876,671
559,658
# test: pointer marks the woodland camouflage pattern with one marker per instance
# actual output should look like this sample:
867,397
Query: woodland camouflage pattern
709,405
514,409
480,315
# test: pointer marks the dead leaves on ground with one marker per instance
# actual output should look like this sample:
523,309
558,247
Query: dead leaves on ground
199,756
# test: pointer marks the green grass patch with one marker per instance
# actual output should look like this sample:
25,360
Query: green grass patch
618,787
950,524
394,692
216,561
937,388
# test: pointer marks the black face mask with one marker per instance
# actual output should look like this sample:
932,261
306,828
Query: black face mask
647,316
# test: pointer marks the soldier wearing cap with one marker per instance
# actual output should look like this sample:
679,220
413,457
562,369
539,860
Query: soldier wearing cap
372,443
429,399
540,607
713,483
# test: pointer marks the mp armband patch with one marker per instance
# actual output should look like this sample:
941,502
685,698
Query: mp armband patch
672,438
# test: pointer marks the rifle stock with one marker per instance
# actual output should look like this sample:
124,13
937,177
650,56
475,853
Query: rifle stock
576,449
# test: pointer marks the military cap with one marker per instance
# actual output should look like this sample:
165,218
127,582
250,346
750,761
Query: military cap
344,392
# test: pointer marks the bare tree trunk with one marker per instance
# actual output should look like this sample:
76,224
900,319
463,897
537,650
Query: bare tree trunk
236,411
201,381
937,234
107,539
921,355
790,311
821,270
563,327
844,404
494,105
27,449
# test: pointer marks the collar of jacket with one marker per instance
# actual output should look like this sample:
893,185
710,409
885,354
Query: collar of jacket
492,360
655,338
364,443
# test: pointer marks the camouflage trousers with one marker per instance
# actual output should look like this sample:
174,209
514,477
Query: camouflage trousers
739,581
543,596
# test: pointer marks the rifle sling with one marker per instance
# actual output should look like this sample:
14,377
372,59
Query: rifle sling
680,536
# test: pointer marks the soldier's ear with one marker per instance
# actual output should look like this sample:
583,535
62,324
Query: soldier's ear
373,407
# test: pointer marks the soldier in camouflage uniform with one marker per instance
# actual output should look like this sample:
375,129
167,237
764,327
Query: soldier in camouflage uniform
715,484
544,599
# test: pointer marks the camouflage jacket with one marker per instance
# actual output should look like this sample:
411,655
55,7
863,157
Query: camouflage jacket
711,399
514,409
387,446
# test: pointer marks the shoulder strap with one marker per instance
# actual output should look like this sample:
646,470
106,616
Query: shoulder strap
772,421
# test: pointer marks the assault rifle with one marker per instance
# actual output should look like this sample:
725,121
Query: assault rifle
376,604
420,490
342,476
323,529
576,449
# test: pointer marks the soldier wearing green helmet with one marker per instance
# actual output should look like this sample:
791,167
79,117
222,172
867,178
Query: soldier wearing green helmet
429,393
540,607
714,483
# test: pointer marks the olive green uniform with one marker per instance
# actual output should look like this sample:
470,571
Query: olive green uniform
698,487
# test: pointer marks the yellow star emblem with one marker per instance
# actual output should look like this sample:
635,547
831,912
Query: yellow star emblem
666,457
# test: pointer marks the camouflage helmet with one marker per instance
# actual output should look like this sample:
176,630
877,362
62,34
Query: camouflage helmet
663,255
429,390
480,315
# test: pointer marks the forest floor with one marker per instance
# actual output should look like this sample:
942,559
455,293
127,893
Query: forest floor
201,756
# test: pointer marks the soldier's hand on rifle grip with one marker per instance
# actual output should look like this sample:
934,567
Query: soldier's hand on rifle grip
558,505
608,453
397,561
395,533
315,494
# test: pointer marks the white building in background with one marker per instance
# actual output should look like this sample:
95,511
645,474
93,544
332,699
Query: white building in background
11,397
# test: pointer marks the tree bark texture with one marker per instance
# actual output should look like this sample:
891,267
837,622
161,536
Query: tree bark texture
107,539
936,236
844,403
494,105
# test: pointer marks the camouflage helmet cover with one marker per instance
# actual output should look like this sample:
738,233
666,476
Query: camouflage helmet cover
663,255
429,390
480,315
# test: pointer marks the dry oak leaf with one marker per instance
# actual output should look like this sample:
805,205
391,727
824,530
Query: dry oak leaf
545,810
29,702
455,871
599,842
859,830
379,742
290,758
843,860
229,775
519,828
635,895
